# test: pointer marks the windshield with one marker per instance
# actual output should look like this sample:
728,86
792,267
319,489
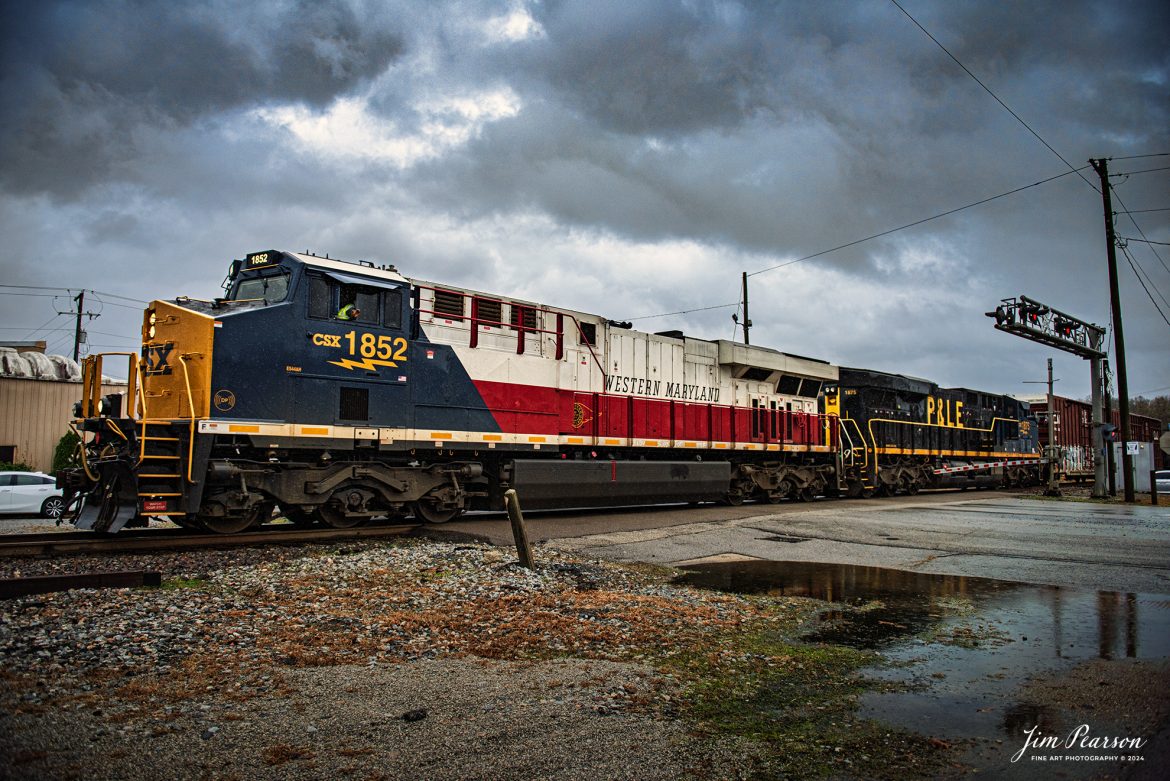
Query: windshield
271,289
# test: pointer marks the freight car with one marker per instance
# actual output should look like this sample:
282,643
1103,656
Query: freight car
1074,433
342,391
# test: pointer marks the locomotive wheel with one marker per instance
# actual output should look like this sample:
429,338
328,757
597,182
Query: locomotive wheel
429,510
227,524
300,518
335,516
234,524
806,494
734,498
912,487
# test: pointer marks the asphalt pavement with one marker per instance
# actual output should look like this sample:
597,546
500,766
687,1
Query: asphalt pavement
991,535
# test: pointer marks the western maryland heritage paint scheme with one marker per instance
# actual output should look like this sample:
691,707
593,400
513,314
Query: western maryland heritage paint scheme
343,391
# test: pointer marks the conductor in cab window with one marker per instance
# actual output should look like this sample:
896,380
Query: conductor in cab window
349,312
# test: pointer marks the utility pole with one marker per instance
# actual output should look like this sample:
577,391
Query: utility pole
1100,487
1101,166
77,330
747,321
1053,488
1111,470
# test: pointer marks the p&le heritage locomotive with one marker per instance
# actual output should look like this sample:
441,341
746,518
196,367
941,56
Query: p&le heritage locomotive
342,391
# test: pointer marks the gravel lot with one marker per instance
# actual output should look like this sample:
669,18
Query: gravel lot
411,659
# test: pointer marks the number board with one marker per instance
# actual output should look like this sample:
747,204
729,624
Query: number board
261,259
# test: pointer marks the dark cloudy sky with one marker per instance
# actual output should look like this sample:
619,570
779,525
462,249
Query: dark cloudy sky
624,158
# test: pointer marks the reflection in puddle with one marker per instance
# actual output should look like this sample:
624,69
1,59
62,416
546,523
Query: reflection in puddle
964,646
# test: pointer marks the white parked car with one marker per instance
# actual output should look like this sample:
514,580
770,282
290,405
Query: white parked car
1162,481
30,492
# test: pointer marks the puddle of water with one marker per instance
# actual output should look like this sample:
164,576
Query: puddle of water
896,603
965,645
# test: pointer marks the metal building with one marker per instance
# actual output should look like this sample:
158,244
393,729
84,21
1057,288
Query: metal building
37,393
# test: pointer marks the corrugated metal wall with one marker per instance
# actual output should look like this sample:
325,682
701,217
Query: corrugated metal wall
35,414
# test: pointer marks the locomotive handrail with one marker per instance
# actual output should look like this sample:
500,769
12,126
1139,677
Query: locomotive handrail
520,328
989,429
585,339
81,453
853,446
191,409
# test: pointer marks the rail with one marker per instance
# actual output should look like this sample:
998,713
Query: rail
131,540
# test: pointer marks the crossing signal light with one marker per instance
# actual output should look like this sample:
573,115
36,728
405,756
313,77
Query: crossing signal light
1003,315
1109,432
1032,313
1065,327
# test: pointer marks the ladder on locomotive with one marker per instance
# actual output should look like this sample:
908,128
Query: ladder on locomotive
163,466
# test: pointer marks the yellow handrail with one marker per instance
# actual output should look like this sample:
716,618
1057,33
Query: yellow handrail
81,449
989,429
191,411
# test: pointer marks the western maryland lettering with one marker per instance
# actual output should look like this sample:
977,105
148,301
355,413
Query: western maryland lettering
944,412
642,386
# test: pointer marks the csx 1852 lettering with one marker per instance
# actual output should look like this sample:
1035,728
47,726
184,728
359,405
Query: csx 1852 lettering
365,345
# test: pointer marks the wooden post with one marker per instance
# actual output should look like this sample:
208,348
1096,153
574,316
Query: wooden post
523,546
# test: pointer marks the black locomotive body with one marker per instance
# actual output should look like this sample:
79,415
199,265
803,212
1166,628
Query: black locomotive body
906,433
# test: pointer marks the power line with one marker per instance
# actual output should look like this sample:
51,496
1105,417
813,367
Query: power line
68,291
1143,171
1143,211
1138,157
33,332
684,311
124,306
31,295
1145,241
992,94
1145,273
1125,251
916,222
1139,228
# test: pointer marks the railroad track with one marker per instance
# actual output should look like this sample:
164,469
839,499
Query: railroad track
132,540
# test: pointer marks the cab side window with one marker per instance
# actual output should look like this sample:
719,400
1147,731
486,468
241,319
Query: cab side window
359,303
320,303
333,300
392,301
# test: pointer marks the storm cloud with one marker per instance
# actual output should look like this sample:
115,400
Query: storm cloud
626,158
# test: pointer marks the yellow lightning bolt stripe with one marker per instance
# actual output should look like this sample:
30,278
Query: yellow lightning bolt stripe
369,364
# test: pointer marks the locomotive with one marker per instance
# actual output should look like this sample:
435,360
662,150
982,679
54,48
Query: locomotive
344,391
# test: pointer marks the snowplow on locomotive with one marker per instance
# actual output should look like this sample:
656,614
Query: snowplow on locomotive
342,391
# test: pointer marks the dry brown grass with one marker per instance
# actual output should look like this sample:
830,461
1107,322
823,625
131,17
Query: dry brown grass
281,753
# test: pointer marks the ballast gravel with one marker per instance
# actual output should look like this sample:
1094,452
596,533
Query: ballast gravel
413,659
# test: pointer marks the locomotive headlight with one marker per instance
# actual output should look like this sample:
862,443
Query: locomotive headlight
110,405
150,322
151,331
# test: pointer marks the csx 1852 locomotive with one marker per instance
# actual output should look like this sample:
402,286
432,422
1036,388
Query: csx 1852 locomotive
342,391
